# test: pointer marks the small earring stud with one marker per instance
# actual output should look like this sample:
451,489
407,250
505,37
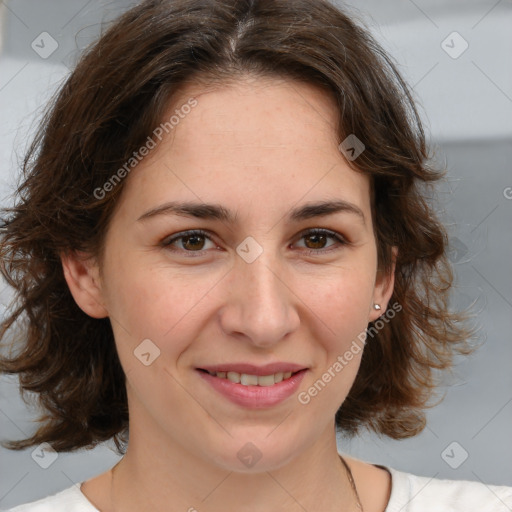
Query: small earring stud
376,306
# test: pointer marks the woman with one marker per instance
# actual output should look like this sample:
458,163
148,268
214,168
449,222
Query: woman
222,249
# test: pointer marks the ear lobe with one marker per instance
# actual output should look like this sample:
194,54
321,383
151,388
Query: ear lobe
384,286
82,276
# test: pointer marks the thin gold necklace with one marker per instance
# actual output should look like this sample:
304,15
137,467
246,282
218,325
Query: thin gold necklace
347,469
352,483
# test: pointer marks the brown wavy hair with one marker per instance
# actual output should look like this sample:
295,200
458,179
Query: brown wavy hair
107,108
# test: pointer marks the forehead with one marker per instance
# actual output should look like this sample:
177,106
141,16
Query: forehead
273,112
253,141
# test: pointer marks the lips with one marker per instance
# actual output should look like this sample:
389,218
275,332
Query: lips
251,369
254,396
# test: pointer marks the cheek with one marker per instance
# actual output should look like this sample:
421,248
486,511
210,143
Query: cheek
154,301
343,300
343,308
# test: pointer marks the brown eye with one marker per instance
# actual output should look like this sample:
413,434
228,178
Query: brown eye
316,240
193,242
188,241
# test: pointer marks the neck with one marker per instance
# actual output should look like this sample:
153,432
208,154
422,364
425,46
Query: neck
151,479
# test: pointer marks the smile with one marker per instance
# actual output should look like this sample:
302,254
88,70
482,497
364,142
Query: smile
253,380
253,391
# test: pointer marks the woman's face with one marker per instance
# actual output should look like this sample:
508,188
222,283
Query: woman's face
255,287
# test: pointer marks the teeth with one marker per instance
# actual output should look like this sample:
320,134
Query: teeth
253,380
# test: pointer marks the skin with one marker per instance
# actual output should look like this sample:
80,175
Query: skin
259,147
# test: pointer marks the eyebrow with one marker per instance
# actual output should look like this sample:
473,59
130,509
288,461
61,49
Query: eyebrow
218,212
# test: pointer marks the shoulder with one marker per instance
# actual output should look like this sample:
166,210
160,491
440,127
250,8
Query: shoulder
68,500
413,493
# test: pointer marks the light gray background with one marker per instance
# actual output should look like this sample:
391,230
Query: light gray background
467,106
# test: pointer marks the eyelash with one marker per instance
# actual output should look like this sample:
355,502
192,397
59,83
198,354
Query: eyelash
310,252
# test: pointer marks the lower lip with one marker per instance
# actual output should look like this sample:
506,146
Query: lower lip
255,397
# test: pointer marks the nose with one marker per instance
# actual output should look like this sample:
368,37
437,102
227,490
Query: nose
260,305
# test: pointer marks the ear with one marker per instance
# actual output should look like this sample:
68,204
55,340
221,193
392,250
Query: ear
81,272
383,290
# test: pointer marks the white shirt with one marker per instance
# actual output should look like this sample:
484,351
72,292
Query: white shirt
409,493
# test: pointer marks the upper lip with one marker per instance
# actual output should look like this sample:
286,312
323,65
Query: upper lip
251,369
